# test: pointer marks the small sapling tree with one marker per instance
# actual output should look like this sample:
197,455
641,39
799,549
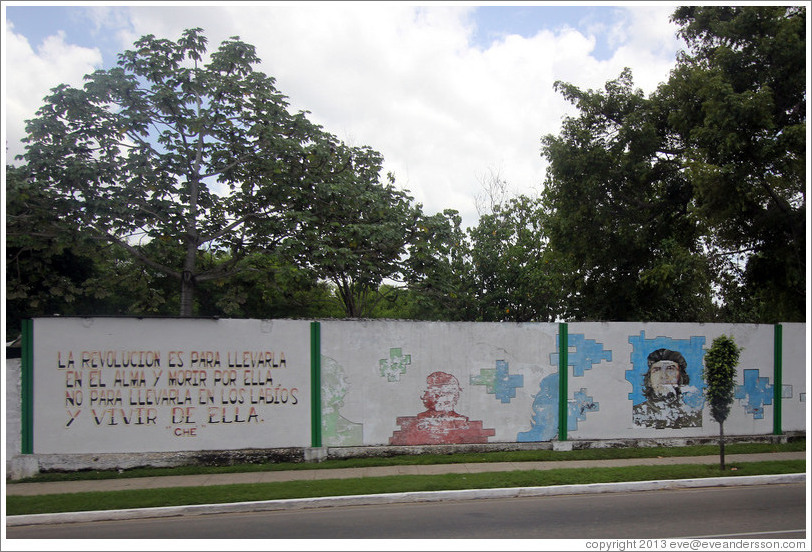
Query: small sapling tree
720,374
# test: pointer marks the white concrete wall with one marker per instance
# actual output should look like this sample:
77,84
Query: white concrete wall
12,412
158,385
616,385
377,383
796,365
374,372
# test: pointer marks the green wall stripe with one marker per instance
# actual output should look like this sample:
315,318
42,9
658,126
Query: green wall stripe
27,388
315,384
563,374
778,378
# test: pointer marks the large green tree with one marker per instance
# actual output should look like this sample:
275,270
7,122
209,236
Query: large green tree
696,191
268,286
439,273
618,210
517,276
354,229
176,146
48,269
737,106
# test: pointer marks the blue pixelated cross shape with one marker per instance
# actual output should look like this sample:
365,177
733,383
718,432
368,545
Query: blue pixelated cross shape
587,352
395,365
577,409
756,391
498,381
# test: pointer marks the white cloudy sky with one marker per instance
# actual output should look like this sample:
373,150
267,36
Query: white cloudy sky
448,94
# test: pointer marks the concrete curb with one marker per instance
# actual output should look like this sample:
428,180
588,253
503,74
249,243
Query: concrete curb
393,498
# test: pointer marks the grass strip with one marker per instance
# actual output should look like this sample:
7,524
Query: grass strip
429,459
147,498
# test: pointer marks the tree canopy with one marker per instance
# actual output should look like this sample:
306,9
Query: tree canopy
180,182
517,277
697,191
179,147
739,110
438,276
619,210
355,230
49,269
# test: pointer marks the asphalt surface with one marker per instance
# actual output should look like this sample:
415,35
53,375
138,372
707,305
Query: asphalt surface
61,487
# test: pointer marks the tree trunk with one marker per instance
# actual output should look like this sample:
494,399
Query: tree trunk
187,279
721,446
187,294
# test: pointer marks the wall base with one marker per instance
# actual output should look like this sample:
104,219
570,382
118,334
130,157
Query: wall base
23,466
315,454
685,441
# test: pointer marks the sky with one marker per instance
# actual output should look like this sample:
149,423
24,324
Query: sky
451,94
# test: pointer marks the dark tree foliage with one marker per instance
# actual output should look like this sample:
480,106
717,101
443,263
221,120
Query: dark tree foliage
48,269
439,274
517,277
175,145
268,287
618,210
192,164
689,204
179,182
738,107
355,230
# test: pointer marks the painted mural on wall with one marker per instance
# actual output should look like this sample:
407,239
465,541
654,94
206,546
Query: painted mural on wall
663,383
440,423
578,408
544,420
395,366
336,429
666,376
583,355
163,385
755,393
499,382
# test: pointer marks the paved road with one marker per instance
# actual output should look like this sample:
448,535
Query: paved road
762,511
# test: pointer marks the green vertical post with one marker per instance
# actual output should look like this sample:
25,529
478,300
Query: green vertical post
315,384
778,378
563,374
27,388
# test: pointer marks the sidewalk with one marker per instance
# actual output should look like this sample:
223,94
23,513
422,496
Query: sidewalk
60,487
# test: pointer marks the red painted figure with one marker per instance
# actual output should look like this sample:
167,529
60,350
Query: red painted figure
439,424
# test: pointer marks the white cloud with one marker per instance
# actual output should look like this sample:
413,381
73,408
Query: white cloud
650,46
30,73
408,81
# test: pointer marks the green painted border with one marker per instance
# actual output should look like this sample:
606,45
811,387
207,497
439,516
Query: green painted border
27,388
315,384
563,374
778,378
